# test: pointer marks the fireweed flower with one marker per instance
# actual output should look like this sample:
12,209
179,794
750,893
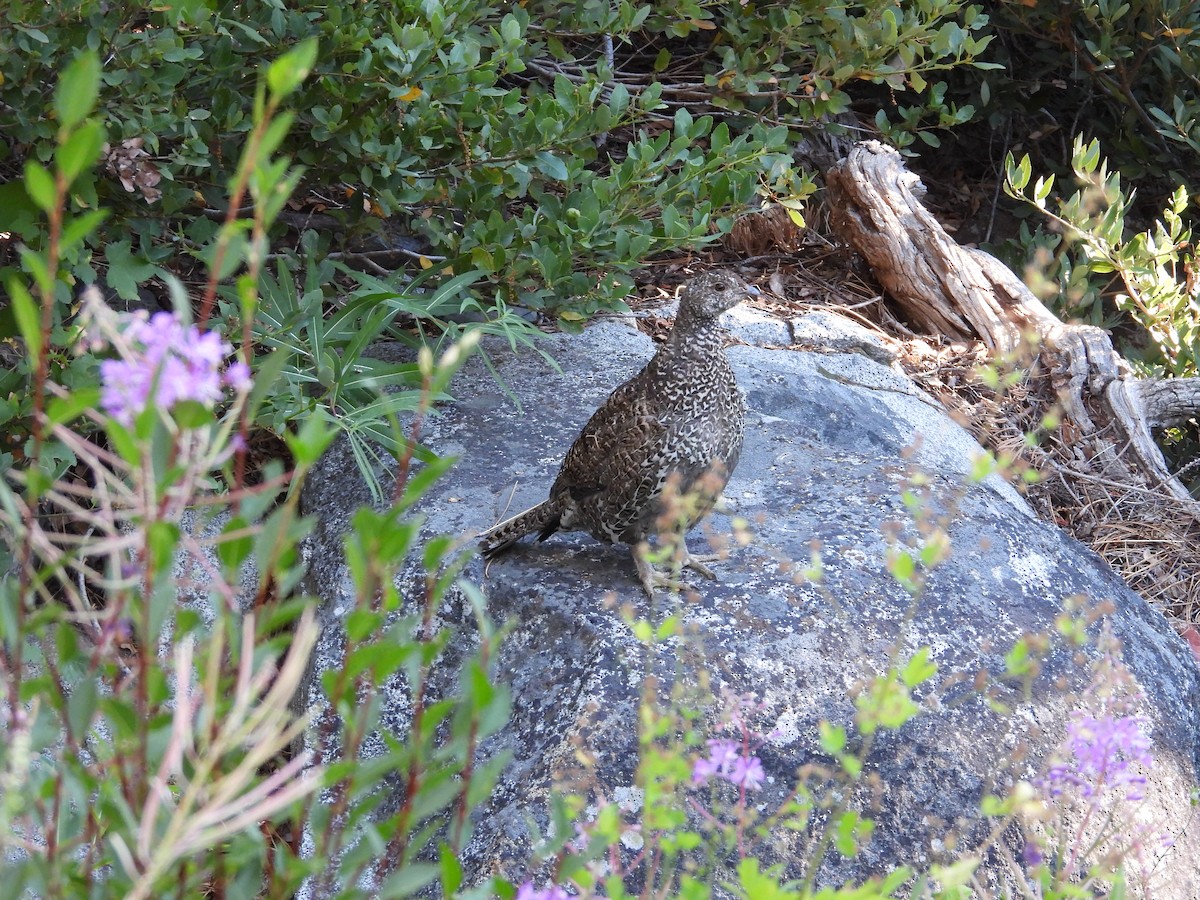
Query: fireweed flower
1102,750
721,754
163,363
731,760
726,761
747,771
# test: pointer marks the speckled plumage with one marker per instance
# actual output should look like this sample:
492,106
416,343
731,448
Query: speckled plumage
682,416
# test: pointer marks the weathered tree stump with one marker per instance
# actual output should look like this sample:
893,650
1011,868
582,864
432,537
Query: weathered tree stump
964,293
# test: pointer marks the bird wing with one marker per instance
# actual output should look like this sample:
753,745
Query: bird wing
614,445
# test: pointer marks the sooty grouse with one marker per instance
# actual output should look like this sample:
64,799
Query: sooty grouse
680,419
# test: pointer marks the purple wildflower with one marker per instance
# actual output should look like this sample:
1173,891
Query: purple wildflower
1103,751
554,892
702,770
1032,854
169,363
723,752
748,772
237,376
726,761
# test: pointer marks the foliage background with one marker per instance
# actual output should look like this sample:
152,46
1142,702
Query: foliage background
555,148
532,153
541,144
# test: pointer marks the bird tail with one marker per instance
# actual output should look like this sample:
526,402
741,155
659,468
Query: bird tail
543,518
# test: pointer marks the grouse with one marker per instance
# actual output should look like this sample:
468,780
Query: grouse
679,420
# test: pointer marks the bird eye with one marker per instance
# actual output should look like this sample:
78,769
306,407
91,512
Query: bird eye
720,286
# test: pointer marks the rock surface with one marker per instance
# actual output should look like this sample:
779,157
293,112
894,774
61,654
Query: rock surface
832,441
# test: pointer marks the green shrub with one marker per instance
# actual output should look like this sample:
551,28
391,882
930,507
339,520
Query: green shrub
500,136
504,140
1125,72
1091,267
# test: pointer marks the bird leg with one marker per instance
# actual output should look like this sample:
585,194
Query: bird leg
652,578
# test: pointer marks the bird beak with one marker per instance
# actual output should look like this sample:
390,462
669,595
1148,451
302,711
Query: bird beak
753,291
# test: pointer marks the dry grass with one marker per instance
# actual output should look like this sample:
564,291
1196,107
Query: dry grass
1083,483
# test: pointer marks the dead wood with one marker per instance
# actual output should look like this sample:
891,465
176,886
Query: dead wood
965,294
1169,401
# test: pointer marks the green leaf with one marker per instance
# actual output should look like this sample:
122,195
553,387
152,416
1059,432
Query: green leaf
510,29
435,551
452,872
852,832
957,874
37,266
76,229
20,212
885,704
410,879
668,629
78,89
286,73
551,166
420,482
380,659
903,566
436,793
314,437
361,624
80,151
191,414
81,708
683,122
40,186
66,645
1119,889
125,271
1018,174
235,544
267,370
61,410
891,28
26,313
272,137
671,222
833,737
757,885
122,440
918,669
1086,158
1019,661
1042,188
36,33
161,540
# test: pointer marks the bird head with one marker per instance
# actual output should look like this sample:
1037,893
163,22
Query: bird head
711,293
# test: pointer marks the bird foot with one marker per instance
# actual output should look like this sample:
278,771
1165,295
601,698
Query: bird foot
697,561
652,578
